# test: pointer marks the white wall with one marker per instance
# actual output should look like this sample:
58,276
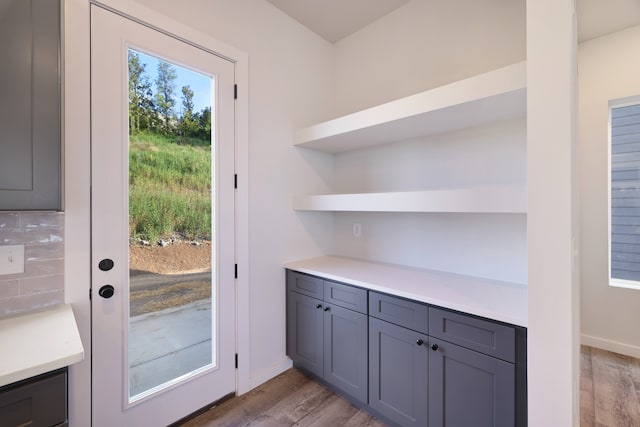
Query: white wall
492,246
422,45
426,44
553,336
609,68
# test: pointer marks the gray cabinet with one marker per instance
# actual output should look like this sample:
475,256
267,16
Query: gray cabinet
305,332
439,368
409,363
472,365
468,388
327,332
345,350
398,373
30,119
37,402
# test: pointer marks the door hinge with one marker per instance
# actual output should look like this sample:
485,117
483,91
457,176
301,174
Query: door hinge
235,181
236,271
236,360
89,294
235,91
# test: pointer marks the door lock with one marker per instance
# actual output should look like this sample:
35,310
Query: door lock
106,264
106,291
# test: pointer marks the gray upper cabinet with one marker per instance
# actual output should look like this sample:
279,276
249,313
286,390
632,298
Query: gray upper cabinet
30,105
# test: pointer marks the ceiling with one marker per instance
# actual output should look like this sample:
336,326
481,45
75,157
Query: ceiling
599,17
335,19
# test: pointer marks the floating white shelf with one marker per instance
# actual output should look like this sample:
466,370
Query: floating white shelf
508,199
487,98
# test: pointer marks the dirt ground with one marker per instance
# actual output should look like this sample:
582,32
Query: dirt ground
171,259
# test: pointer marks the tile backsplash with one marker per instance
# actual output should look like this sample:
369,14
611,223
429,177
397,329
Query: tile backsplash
42,283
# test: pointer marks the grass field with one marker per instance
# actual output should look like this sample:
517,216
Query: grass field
169,187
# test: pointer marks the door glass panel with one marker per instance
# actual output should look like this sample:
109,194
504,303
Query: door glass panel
171,319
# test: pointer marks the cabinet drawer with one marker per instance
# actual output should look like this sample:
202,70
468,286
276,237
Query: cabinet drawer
305,284
37,402
346,296
476,334
412,315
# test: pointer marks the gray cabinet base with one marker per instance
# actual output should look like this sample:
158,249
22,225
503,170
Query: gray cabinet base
37,402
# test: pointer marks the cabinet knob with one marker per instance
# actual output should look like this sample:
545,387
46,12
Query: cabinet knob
419,342
434,347
327,308
319,306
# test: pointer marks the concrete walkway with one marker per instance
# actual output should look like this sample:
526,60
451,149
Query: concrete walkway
167,344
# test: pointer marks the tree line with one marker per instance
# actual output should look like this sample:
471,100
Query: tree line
152,105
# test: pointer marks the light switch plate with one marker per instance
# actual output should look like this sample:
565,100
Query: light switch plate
11,259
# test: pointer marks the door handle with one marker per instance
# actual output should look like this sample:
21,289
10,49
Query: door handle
106,291
105,264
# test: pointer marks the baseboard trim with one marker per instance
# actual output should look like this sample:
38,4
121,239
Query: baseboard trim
614,346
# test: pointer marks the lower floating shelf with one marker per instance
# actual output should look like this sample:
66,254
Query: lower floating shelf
508,199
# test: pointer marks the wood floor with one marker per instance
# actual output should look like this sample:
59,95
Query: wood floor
609,389
609,397
290,399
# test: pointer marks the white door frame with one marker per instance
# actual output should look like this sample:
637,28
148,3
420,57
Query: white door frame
77,178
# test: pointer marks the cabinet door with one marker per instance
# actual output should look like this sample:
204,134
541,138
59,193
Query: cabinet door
398,373
467,388
304,332
305,284
345,296
400,311
345,350
30,122
36,402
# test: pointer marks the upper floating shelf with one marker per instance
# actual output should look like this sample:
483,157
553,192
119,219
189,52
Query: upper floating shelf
487,98
507,199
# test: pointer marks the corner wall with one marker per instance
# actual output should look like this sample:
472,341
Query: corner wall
609,68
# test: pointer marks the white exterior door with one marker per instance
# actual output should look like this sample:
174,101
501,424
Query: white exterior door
163,341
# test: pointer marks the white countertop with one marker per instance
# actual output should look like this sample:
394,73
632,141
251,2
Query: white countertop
35,343
502,301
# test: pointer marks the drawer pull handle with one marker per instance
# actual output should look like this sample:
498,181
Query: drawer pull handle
434,347
327,308
419,342
319,306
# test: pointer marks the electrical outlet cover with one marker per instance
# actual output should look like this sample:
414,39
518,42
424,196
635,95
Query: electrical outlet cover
11,259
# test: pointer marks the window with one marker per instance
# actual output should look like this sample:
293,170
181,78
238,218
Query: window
624,193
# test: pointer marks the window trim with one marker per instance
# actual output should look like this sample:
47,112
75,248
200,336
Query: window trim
616,103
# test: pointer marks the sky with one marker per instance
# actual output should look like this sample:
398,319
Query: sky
199,83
